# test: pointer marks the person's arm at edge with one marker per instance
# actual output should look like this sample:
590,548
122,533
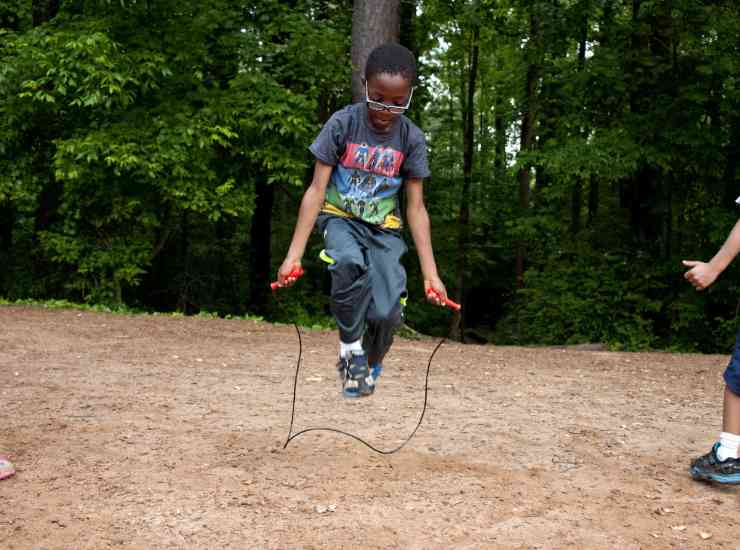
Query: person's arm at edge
313,200
702,274
420,226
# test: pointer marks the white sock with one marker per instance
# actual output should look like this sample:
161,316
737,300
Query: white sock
346,349
728,446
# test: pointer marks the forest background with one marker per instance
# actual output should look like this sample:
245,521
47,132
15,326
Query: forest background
153,154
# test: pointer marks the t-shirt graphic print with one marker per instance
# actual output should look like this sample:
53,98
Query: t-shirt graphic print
365,182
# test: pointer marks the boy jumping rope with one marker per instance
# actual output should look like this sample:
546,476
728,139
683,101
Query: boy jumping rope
721,464
372,143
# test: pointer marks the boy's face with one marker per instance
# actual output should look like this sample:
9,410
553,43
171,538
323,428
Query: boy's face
390,89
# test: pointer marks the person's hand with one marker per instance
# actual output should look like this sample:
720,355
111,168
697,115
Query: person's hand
290,265
701,274
439,295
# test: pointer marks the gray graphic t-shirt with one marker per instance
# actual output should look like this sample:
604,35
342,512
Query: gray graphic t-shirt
369,167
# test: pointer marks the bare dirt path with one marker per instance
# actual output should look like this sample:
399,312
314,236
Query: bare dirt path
156,432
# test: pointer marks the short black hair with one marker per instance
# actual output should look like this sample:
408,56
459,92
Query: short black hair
391,59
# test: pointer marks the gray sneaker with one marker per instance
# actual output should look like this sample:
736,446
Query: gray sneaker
709,468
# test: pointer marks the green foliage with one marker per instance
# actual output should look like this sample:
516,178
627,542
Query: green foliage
137,138
66,304
112,133
634,161
580,298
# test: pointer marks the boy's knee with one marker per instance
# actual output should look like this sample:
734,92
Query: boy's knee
347,270
352,265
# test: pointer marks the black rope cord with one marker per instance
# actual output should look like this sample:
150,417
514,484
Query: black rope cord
292,436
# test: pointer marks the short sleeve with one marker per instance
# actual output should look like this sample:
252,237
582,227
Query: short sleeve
328,147
416,165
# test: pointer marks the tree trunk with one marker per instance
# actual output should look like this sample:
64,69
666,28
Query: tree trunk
43,11
528,132
184,297
7,221
593,199
463,224
576,199
259,247
407,29
374,22
499,161
651,76
662,46
577,193
409,37
733,149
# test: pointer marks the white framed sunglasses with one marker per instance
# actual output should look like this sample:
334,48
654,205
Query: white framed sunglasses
378,106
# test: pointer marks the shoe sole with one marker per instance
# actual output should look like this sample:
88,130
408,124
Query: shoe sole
731,479
352,394
355,393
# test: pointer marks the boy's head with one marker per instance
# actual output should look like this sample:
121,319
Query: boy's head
391,59
390,73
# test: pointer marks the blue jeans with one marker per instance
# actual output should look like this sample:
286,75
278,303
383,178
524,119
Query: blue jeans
732,372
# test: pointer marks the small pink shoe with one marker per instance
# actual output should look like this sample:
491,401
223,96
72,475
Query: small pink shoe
6,468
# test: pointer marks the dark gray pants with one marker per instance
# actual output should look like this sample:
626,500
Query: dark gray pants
368,281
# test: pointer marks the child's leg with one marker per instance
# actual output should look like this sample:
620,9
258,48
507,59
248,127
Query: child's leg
388,287
731,412
721,464
378,337
729,439
731,409
350,297
350,282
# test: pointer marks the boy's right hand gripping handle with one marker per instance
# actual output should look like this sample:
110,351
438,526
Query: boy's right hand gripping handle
446,301
295,274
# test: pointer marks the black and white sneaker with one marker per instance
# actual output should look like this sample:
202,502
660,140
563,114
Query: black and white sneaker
709,468
354,373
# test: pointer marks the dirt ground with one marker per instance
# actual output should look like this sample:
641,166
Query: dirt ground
159,432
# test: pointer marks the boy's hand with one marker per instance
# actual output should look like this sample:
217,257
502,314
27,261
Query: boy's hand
701,274
439,295
290,266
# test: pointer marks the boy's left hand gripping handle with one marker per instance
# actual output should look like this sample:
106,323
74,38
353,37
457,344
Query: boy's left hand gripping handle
445,301
294,274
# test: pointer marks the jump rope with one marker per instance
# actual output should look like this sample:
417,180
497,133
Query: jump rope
291,436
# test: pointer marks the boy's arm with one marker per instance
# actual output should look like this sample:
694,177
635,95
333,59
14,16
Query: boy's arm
313,200
418,218
702,274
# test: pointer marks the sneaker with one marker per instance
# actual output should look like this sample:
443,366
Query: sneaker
709,468
6,468
376,370
355,376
